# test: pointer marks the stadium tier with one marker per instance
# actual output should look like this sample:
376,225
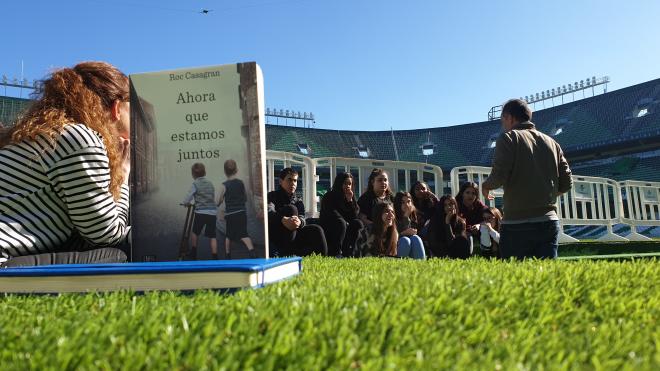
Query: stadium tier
614,135
10,108
610,135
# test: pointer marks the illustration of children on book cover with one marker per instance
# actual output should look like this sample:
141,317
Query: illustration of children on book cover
198,164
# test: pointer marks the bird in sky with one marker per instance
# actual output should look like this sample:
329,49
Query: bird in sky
205,11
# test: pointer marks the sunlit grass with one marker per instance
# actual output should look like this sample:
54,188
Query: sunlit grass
367,313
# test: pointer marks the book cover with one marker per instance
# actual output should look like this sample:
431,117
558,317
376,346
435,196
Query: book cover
176,275
198,164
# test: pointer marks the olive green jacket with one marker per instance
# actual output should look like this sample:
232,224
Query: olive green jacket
531,168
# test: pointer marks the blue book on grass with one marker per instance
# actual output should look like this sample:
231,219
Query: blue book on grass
179,275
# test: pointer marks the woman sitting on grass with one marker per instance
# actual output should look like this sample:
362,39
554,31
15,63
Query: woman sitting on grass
470,207
339,216
410,244
65,166
490,232
380,237
449,231
378,191
424,201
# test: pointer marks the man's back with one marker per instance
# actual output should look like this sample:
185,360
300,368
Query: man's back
532,170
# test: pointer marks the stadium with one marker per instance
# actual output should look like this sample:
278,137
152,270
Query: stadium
612,135
373,313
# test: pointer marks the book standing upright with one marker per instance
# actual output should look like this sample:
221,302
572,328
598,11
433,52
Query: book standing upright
213,116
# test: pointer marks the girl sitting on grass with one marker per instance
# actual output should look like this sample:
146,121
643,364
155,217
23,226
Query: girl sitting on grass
410,244
380,237
490,232
461,244
378,190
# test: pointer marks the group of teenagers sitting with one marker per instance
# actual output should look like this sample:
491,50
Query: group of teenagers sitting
413,224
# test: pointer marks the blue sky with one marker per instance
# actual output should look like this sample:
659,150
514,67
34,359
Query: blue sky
358,64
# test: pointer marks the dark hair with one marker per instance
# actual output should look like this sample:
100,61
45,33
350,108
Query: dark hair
464,186
389,234
230,167
495,212
338,184
286,172
372,177
441,207
198,170
398,203
518,109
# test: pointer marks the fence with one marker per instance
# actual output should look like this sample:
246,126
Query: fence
316,175
591,201
641,206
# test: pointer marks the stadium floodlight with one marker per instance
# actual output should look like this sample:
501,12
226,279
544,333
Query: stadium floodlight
537,96
304,148
428,149
363,151
542,95
581,83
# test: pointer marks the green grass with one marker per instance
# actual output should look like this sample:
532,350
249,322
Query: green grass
608,248
369,313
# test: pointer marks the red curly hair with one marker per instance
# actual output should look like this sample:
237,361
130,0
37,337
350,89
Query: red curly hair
83,94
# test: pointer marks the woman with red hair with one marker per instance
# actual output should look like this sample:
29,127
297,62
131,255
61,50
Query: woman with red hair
65,167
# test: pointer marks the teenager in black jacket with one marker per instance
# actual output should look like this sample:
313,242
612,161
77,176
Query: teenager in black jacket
339,216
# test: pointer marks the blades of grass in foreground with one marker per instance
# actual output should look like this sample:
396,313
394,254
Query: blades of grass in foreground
358,313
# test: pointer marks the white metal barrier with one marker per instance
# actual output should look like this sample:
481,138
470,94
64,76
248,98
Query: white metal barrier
591,201
640,205
318,174
307,175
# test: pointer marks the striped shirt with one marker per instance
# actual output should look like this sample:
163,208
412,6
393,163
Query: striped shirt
58,200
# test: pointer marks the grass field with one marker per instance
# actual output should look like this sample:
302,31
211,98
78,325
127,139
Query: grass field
369,313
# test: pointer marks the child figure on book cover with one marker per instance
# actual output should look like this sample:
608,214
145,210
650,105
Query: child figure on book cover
203,193
232,193
188,116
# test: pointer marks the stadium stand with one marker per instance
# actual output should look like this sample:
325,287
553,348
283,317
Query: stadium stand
10,108
624,122
608,135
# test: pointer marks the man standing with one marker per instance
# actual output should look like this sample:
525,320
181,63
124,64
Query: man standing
287,232
533,171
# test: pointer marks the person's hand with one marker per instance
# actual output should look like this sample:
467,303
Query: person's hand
449,216
486,193
291,223
349,195
474,230
125,149
487,225
409,232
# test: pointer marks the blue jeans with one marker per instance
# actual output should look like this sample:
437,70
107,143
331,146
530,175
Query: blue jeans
411,247
530,240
